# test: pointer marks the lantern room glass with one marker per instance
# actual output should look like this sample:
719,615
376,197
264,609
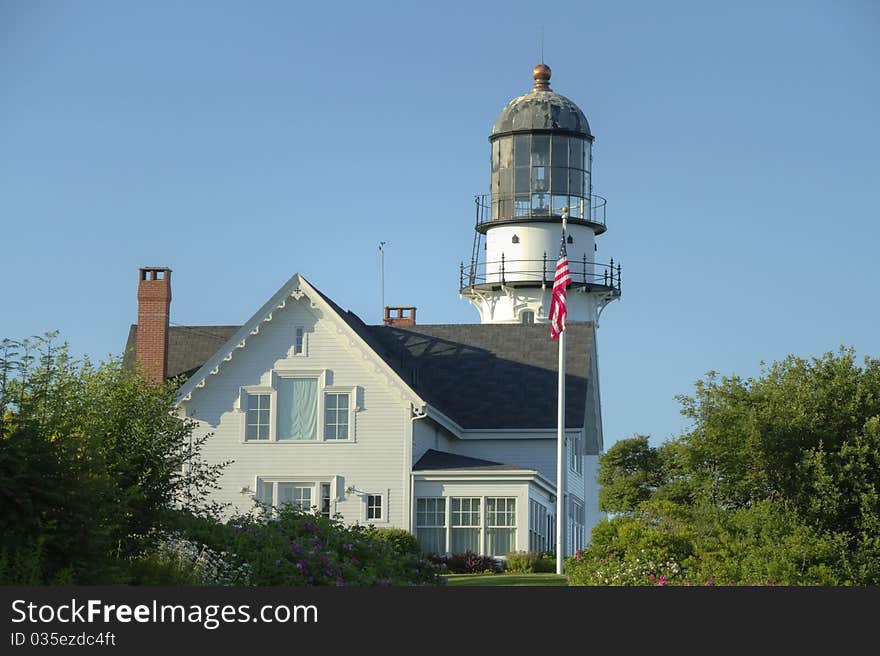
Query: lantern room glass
536,175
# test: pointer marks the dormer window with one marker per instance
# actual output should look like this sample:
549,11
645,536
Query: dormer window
527,316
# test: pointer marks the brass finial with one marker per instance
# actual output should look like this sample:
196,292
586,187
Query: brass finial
542,77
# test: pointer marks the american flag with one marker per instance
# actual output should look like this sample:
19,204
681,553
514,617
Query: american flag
557,297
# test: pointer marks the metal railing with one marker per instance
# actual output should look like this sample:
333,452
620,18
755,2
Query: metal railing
506,271
519,207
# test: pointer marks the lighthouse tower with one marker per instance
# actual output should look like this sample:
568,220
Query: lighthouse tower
541,167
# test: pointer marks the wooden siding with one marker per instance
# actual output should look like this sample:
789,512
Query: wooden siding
376,462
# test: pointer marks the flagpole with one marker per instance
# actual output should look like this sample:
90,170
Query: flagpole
560,461
560,442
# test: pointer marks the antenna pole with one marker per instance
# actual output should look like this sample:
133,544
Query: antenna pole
542,44
382,276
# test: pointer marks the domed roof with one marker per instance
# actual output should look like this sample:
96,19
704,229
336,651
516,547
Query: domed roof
541,109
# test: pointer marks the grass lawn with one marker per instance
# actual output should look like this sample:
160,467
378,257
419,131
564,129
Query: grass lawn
506,579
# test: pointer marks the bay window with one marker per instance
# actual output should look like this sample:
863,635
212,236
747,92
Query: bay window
484,525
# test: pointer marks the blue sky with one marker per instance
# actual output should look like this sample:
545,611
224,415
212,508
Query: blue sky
737,145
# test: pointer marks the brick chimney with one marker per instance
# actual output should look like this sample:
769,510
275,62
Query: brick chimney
154,301
400,315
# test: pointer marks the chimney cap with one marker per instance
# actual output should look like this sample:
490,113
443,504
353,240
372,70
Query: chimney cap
153,273
400,315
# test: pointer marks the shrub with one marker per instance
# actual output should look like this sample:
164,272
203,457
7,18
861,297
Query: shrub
91,458
403,541
584,568
467,563
293,547
160,569
530,562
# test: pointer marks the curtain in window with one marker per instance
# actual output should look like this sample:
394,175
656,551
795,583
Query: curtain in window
297,409
501,523
465,539
499,541
295,495
264,492
433,540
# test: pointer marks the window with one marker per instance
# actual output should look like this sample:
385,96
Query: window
257,416
297,408
465,525
325,499
500,525
527,316
266,492
295,494
299,340
527,167
336,415
537,526
374,506
305,495
480,524
576,524
431,524
574,455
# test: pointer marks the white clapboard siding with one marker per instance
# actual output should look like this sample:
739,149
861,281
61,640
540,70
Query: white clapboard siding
376,462
537,454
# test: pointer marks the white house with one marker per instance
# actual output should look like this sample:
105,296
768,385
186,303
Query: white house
448,431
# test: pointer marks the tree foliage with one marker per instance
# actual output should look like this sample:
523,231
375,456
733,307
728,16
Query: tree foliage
92,458
777,481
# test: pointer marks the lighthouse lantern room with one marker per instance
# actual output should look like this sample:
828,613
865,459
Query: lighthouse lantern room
541,166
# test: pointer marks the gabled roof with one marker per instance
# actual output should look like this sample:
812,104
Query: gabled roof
489,376
296,288
436,460
492,376
481,376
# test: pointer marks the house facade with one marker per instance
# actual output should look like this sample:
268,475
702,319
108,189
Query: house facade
447,431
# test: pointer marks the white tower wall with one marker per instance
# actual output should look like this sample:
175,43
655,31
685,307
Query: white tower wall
523,261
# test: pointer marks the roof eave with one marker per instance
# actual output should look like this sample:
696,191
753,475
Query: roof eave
483,474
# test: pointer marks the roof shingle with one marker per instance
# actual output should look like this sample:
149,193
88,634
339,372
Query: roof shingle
482,376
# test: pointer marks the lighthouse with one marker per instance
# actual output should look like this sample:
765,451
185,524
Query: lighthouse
541,168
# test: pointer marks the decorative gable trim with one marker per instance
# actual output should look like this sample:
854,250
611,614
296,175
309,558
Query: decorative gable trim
297,288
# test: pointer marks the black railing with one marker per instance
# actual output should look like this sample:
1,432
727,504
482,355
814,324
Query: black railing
518,207
543,271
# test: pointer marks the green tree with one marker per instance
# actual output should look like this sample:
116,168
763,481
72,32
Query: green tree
777,481
92,459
